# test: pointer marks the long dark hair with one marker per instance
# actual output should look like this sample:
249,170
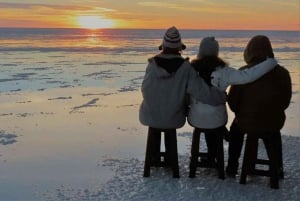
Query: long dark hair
206,65
257,50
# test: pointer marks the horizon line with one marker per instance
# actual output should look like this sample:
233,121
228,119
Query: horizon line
123,28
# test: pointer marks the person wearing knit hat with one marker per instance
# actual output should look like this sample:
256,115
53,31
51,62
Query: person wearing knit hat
168,79
208,47
172,40
212,119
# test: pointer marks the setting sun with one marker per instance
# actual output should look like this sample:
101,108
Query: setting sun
94,22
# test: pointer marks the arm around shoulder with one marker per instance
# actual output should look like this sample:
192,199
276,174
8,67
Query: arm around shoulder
204,93
230,76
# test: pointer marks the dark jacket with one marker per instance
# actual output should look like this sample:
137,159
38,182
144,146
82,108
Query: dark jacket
260,106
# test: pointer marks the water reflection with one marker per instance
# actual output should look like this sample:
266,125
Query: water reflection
7,139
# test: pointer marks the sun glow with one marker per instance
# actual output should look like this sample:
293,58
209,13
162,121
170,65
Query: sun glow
94,22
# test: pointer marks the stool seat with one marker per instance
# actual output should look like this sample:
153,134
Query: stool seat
274,163
203,159
155,157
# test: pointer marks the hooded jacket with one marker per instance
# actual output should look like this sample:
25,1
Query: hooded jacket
260,106
167,81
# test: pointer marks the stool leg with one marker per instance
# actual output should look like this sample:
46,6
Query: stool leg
147,164
171,151
234,150
194,152
249,157
155,141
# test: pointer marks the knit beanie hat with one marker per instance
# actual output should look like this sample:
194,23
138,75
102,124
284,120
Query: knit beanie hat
172,39
208,47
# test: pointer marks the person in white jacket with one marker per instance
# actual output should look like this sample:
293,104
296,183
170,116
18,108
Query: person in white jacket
210,119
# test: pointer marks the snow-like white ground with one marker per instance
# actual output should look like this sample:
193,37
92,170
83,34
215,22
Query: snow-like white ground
127,182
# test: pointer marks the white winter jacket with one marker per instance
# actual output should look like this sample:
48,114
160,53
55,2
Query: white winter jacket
202,115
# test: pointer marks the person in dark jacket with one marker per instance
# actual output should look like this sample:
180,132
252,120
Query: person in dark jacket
259,107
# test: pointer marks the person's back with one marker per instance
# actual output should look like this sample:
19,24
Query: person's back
164,89
259,106
203,115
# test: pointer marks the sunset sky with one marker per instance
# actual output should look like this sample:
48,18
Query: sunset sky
187,14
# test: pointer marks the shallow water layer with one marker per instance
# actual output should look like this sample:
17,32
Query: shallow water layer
69,118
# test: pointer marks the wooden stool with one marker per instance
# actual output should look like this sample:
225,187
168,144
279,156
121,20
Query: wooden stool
155,158
204,156
250,160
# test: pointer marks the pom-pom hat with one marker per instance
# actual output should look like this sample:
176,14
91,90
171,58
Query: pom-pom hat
172,39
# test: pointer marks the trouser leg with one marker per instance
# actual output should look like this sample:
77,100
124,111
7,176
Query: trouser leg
220,152
194,152
249,156
214,140
234,149
272,143
280,156
211,136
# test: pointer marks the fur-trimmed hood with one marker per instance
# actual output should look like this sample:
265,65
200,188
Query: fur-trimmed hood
167,64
